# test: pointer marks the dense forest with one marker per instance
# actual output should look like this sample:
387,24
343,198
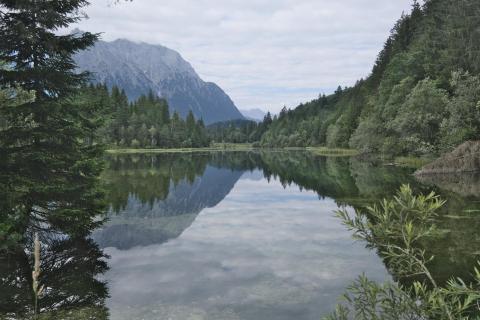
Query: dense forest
144,123
422,96
239,131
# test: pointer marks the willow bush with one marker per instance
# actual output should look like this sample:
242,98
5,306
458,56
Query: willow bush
396,228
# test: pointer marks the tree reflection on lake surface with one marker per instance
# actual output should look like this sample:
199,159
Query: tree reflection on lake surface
233,235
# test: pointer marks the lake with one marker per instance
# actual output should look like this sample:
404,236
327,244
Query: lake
239,235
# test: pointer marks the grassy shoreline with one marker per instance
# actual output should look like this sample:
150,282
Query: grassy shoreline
216,147
238,147
412,162
334,152
408,162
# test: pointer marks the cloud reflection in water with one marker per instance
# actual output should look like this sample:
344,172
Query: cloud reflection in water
264,252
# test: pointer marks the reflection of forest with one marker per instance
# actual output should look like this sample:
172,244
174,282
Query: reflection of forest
169,210
69,274
171,189
154,198
357,183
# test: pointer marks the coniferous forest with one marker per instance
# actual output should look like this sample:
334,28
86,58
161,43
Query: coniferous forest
144,123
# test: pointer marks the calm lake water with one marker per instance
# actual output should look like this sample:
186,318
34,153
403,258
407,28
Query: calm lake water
235,235
248,235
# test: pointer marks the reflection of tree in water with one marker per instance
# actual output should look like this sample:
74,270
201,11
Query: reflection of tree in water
359,183
143,217
70,271
70,266
347,180
148,176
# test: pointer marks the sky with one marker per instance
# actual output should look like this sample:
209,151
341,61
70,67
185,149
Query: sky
263,53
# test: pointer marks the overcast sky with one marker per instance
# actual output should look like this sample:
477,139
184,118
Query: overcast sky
263,53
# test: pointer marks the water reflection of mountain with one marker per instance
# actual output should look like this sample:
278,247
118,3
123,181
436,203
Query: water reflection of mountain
142,223
156,197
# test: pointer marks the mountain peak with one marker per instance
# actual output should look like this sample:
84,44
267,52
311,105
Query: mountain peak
140,67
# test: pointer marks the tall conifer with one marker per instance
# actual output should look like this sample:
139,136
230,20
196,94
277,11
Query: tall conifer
47,160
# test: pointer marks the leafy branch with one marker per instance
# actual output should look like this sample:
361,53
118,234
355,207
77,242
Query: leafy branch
396,228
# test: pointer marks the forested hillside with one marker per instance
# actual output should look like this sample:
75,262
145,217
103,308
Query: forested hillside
422,96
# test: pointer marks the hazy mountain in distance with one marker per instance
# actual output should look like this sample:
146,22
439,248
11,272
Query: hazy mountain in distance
141,67
253,114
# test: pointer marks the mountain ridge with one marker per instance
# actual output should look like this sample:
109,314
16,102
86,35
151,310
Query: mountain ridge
139,67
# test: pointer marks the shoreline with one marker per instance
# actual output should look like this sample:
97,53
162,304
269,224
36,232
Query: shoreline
321,151
405,161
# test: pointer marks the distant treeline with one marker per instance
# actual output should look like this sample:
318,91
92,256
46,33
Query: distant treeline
239,131
144,123
147,122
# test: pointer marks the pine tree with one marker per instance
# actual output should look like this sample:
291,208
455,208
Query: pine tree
190,123
51,170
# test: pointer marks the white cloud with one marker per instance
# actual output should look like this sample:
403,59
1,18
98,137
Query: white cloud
263,53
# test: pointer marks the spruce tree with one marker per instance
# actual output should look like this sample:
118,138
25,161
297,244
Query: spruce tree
47,160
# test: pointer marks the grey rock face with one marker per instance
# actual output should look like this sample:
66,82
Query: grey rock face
140,67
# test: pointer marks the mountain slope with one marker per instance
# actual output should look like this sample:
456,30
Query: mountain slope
422,96
254,114
140,67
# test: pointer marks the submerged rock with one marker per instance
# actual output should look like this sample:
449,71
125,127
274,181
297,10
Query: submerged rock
465,158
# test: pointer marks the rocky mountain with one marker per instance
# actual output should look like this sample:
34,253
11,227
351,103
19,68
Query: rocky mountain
253,114
141,67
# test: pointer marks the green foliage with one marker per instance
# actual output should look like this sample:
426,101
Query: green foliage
236,131
418,120
48,165
415,101
463,111
397,228
367,300
10,98
145,123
